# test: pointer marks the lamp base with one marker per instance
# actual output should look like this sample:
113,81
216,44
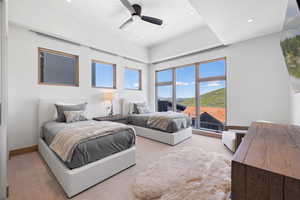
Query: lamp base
111,113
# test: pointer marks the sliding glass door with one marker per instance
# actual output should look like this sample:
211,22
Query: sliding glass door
198,90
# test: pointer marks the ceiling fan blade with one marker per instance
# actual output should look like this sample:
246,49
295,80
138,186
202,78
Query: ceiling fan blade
128,6
126,23
152,20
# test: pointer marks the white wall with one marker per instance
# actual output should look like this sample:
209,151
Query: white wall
197,40
24,90
295,108
257,79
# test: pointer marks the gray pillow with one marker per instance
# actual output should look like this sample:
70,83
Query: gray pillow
141,108
62,108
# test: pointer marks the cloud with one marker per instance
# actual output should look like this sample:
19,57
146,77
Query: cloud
182,83
213,84
136,85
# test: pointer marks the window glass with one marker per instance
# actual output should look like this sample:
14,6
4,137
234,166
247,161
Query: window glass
210,69
212,102
103,75
210,110
185,91
58,68
164,98
164,76
132,79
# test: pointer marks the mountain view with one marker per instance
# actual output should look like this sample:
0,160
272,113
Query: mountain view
211,99
291,51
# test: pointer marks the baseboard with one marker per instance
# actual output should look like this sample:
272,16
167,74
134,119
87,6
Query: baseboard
207,133
23,150
236,127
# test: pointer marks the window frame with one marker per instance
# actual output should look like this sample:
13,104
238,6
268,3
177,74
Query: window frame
60,53
212,78
114,74
198,79
165,83
140,78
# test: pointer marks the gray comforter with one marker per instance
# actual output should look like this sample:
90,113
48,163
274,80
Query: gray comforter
91,150
176,121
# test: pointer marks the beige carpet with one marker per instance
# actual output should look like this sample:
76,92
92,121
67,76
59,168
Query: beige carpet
29,177
188,173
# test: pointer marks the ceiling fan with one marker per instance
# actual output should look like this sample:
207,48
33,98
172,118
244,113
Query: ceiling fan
136,11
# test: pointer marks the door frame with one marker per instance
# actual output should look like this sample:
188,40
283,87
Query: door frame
3,100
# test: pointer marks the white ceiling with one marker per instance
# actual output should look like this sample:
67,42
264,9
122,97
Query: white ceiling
178,15
229,19
97,21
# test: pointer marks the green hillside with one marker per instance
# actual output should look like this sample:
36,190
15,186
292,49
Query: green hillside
291,51
212,99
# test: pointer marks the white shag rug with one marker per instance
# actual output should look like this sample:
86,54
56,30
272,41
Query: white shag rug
186,173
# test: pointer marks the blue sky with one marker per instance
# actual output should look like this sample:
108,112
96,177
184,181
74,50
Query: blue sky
292,21
131,79
104,75
185,80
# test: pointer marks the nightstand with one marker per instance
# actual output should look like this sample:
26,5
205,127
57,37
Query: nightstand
114,118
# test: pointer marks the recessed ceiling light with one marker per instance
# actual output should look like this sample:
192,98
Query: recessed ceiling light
69,1
250,20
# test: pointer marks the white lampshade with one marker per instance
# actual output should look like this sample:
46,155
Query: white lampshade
108,96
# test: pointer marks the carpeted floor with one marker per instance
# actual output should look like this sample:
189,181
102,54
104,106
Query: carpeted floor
29,177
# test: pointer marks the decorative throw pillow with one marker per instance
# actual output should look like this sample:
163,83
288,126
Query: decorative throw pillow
62,108
141,108
135,110
75,116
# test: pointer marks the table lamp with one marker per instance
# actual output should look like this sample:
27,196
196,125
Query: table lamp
109,96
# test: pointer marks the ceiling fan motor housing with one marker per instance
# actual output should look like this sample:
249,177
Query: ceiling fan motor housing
138,9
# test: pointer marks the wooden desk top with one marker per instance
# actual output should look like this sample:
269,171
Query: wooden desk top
272,147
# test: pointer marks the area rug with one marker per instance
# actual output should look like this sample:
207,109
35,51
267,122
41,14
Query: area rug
186,173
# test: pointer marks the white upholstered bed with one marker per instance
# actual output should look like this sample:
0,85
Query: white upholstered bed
157,135
74,181
163,137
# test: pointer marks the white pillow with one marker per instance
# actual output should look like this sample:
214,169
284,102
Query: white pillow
135,102
128,106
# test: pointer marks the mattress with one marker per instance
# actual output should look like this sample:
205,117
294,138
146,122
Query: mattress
174,125
91,150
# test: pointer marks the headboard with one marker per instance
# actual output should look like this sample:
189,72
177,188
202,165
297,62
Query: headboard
47,110
127,105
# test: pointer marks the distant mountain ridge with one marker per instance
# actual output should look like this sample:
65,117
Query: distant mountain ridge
215,98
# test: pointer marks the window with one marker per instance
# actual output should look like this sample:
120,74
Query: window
164,90
103,75
198,90
212,95
58,68
185,91
133,79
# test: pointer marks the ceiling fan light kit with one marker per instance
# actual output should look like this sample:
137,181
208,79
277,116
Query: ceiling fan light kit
135,11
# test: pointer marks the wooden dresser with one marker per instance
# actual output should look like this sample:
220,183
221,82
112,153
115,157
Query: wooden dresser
266,165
